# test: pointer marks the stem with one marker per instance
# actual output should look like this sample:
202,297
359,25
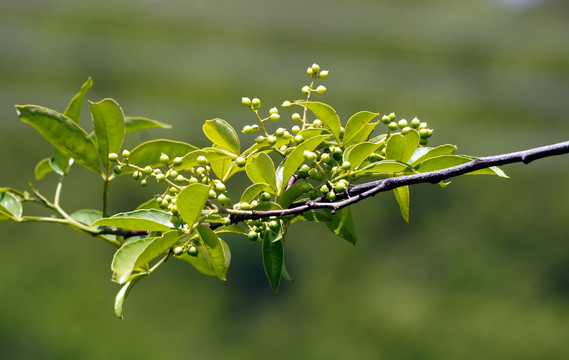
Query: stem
106,183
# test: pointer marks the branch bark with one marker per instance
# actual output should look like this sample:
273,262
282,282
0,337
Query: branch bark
361,191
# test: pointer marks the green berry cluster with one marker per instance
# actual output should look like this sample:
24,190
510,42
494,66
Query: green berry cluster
404,126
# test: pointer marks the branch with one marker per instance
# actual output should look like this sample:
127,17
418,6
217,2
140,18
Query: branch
362,191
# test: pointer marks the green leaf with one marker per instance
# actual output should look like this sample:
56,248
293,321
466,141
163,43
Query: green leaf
295,159
262,170
124,291
294,192
148,153
233,228
207,258
446,161
139,252
42,168
401,147
357,124
425,153
137,123
66,136
326,114
358,153
212,155
222,134
384,167
191,201
108,121
73,110
313,216
10,206
216,252
273,258
402,197
342,224
87,216
150,220
253,191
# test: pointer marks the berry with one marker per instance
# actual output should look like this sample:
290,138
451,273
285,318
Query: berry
256,103
321,89
286,104
315,68
392,116
176,220
305,89
253,235
296,117
324,189
317,123
309,71
275,117
346,165
254,128
309,155
323,74
223,200
312,172
160,177
113,157
274,225
298,139
164,159
202,160
385,119
144,182
193,180
392,126
212,194
331,196
260,139
117,170
273,110
178,250
272,139
402,123
220,187
147,170
247,129
295,129
173,173
179,179
340,187
125,154
280,132
178,161
246,101
265,196
415,123
325,157
337,154
304,169
405,130
193,251
240,161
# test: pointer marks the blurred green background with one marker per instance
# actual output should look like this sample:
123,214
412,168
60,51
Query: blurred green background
482,270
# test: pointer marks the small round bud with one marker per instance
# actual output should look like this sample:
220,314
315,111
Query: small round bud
147,170
272,139
247,129
296,117
313,173
193,251
244,205
309,71
422,125
295,129
385,119
240,161
125,154
113,157
337,154
339,187
160,177
254,128
315,68
321,89
273,110
246,101
415,123
424,133
144,182
202,160
303,170
200,171
298,139
317,123
137,175
260,139
193,180
220,187
117,170
212,194
392,126
164,159
274,117
178,161
324,189
274,225
305,89
256,103
253,235
331,196
392,116
402,123
323,74
280,132
223,199
346,165
178,250
179,179
173,173
265,196
286,104
405,130
325,157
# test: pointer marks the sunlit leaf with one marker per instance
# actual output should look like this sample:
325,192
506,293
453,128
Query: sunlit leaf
137,123
384,167
108,122
424,153
446,161
42,168
191,201
73,110
212,155
342,224
66,136
10,206
262,170
402,197
356,154
326,114
356,124
401,147
273,258
295,159
221,133
124,291
292,193
150,220
148,153
253,191
216,252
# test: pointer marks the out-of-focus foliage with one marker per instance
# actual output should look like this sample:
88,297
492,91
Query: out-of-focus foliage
483,274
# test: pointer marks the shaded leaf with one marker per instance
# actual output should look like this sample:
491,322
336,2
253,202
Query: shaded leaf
42,168
342,224
216,252
222,134
314,216
212,155
124,291
446,161
326,114
108,122
384,167
273,258
402,197
233,228
66,136
87,216
253,191
292,193
357,124
425,153
191,201
10,206
262,170
401,147
137,123
148,153
145,219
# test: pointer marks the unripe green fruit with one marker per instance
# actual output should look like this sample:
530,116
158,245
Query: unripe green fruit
295,129
274,117
157,171
163,204
179,179
402,123
173,173
200,171
164,159
273,110
178,250
305,89
137,175
423,125
272,139
212,194
176,220
253,235
254,204
312,172
144,182
178,161
309,71
220,187
392,126
113,157
173,208
226,221
405,130
324,189
280,132
325,157
193,180
385,119
309,155
265,196
274,225
342,131
318,176
256,103
260,139
424,133
244,205
392,116
321,89
254,128
315,68
117,170
304,169
193,251
331,196
202,160
247,129
125,154
296,117
317,123
223,200
286,104
240,161
339,187
423,141
246,101
323,74
298,139
346,165
147,170
415,123
337,154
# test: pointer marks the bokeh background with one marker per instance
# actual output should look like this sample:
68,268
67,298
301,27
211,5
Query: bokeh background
482,270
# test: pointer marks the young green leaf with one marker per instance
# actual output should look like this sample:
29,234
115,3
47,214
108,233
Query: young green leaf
222,134
139,252
294,192
326,114
66,136
137,123
425,153
108,121
358,153
384,167
295,159
342,224
10,206
150,220
42,168
87,216
191,201
273,258
262,170
212,155
123,292
357,124
148,153
215,251
446,161
253,191
401,147
402,197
